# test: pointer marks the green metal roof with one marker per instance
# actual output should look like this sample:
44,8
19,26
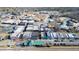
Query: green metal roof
37,43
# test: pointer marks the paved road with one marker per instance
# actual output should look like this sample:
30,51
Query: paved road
43,49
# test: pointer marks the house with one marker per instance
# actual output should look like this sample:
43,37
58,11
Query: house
19,29
25,17
27,35
75,24
35,27
6,28
22,24
17,32
39,17
35,35
29,28
61,19
10,21
71,36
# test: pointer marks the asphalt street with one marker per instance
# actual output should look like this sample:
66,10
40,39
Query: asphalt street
42,49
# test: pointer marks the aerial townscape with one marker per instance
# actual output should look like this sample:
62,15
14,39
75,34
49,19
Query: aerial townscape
39,26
